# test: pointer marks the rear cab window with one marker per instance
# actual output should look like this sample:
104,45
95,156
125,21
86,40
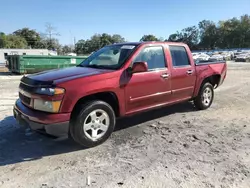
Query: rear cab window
179,56
154,56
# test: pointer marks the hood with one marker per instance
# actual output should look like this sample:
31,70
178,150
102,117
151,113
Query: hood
69,73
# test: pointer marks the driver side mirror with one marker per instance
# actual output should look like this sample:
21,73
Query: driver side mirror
139,67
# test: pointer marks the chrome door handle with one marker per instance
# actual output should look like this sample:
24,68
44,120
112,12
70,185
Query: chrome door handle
190,71
165,75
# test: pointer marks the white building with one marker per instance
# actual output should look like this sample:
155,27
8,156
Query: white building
5,52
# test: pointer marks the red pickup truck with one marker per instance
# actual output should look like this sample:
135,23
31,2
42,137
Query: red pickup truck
118,80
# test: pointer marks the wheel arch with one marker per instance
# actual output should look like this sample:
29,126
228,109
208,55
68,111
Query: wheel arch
107,96
213,79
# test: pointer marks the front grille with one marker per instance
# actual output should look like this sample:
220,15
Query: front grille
27,88
24,99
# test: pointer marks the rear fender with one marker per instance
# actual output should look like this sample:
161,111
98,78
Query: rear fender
213,73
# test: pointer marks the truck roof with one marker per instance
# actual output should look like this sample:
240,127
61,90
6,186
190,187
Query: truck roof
148,42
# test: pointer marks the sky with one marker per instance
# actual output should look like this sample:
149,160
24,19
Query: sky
129,18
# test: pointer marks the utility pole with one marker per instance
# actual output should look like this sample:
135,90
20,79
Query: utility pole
51,31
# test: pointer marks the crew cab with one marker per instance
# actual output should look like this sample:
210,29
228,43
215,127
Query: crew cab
118,80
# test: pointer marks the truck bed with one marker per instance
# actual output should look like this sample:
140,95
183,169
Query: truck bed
198,63
208,69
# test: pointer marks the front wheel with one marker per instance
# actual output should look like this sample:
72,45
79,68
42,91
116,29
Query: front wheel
94,124
205,97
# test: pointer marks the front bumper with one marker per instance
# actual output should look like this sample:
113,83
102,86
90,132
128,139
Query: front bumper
52,124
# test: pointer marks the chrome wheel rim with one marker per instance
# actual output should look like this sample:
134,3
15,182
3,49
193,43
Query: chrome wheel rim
207,96
96,124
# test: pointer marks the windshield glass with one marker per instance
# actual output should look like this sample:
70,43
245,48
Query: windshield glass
109,57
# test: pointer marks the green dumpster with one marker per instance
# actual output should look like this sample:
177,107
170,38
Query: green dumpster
27,64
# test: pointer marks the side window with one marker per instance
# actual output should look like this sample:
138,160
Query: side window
153,55
179,56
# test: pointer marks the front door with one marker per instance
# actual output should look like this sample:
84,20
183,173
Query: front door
148,89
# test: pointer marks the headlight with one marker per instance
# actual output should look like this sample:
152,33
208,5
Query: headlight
50,91
47,106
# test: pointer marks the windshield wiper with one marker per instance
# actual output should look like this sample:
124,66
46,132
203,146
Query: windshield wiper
94,66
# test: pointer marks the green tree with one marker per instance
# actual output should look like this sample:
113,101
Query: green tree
96,42
13,41
149,38
231,33
31,36
209,34
81,47
117,39
176,37
228,33
244,29
2,35
53,44
188,35
66,49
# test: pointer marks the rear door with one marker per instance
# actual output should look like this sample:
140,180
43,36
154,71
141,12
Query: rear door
148,89
183,73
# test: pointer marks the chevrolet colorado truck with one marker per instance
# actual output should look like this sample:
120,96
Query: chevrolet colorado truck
118,80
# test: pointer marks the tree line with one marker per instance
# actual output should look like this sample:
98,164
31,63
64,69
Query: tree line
231,33
27,38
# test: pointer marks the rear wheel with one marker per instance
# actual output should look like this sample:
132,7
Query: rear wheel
94,124
205,97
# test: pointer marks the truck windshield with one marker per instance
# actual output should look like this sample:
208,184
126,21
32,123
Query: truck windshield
109,57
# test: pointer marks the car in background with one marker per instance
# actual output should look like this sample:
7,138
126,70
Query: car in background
195,55
227,55
243,57
201,57
216,57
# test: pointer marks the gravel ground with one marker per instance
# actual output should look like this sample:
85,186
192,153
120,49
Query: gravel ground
172,147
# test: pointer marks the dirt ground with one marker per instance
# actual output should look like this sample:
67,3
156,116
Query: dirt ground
172,147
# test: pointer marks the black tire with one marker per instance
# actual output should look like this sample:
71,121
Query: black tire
199,101
76,126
